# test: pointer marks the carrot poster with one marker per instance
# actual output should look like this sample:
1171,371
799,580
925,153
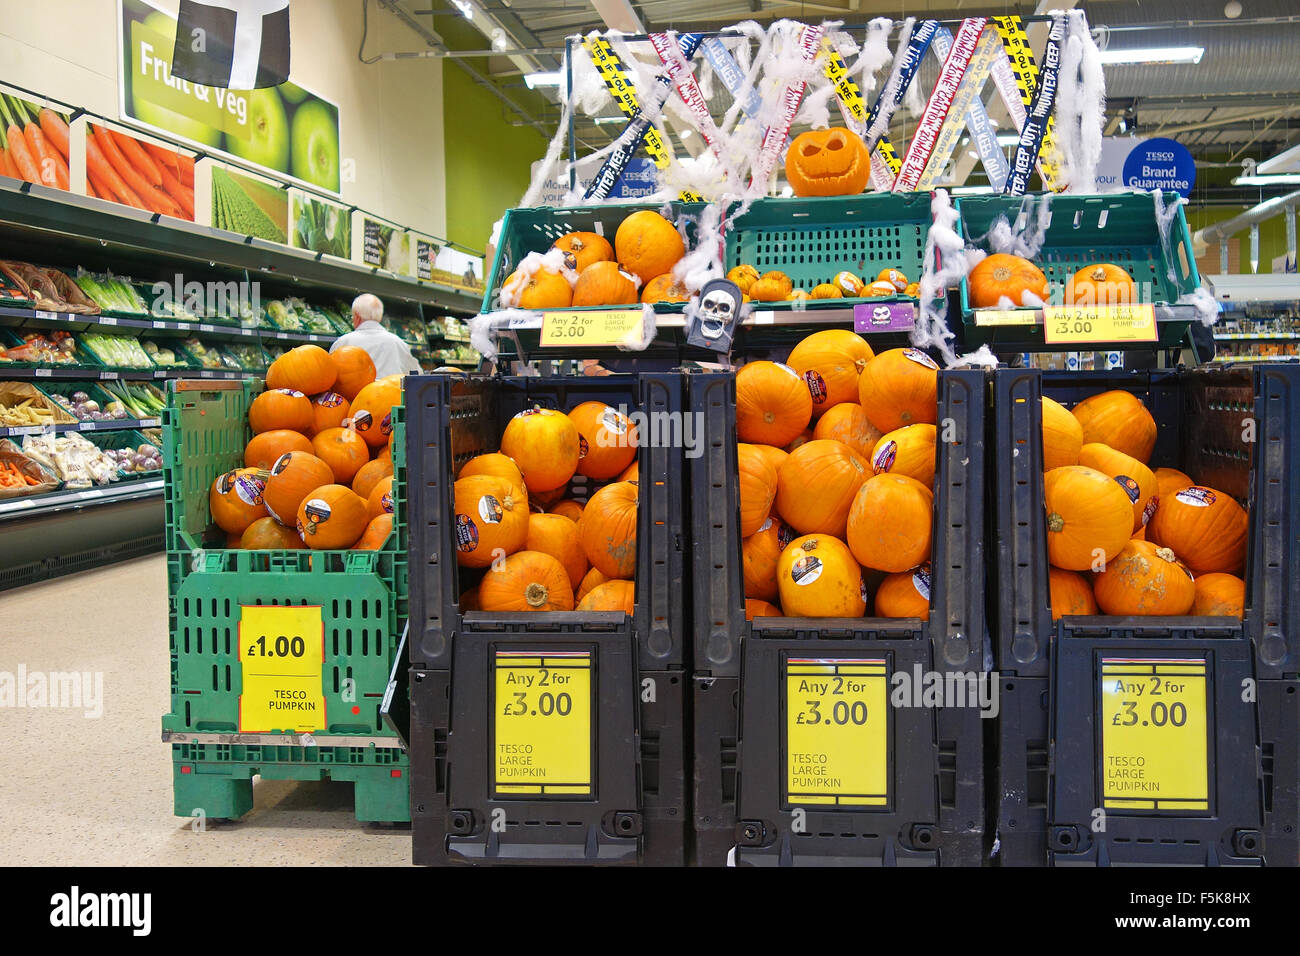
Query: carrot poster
138,173
33,142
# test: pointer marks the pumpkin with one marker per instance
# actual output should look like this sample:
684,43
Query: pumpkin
278,409
542,289
469,600
591,579
913,290
331,517
567,508
849,284
1144,579
907,451
760,553
328,410
904,594
744,276
772,286
1006,276
900,387
1171,480
1062,435
355,369
376,533
798,295
1120,420
608,529
825,290
526,581
603,283
664,289
557,536
611,596
502,466
381,498
581,249
803,438
1219,595
293,475
343,450
830,362
1131,475
879,290
848,423
547,498
237,499
890,523
1070,593
1204,527
385,453
816,486
304,368
491,519
267,534
606,440
827,162
757,483
1087,513
264,450
232,541
771,454
817,577
1101,284
631,473
772,404
895,278
756,608
647,245
1140,534
369,475
372,411
545,445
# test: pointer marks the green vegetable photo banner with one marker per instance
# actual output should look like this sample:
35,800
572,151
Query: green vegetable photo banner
285,129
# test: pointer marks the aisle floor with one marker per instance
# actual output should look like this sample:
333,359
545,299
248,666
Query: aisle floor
96,791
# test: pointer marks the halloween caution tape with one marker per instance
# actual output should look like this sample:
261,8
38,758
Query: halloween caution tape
775,135
854,110
895,88
1024,71
936,109
680,75
732,76
1040,113
983,135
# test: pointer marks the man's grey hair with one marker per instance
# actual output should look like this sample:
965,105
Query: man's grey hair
367,307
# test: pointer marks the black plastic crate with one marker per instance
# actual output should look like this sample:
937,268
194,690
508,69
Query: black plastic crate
932,807
1203,417
631,804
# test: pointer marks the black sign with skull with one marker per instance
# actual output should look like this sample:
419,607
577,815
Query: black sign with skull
711,323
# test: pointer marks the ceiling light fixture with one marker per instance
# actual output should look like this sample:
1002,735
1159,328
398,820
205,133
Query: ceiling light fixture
465,7
972,190
534,80
1155,54
1279,179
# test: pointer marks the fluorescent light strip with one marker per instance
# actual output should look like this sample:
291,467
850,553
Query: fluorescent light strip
1279,179
1156,54
534,80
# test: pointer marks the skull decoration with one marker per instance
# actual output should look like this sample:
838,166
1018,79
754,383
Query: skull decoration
881,315
715,317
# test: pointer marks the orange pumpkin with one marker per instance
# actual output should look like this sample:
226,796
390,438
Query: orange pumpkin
279,409
907,451
1103,284
1120,420
1089,517
491,519
502,466
237,499
369,475
1140,534
608,529
545,445
1131,475
1171,481
848,423
900,387
611,596
567,508
557,536
343,450
818,577
293,475
1219,595
895,278
371,413
267,534
891,522
1062,436
771,454
1204,527
664,289
376,533
760,553
232,541
825,290
1144,579
904,594
879,290
591,579
803,438
756,608
304,368
329,410
1002,276
603,283
355,369
385,453
849,284
1070,593
772,404
541,289
744,276
774,286
264,450
827,162
830,362
757,484
526,581
581,249
631,473
331,517
816,486
381,498
606,440
647,245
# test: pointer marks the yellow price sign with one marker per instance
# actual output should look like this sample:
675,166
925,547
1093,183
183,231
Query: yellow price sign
281,657
1078,324
1004,317
1155,734
543,741
837,715
599,327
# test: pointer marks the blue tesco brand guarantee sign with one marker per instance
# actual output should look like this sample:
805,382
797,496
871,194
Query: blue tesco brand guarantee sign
1160,164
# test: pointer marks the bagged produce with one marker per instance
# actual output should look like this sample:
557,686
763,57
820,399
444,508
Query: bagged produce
21,475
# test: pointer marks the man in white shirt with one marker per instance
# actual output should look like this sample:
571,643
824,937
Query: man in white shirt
390,354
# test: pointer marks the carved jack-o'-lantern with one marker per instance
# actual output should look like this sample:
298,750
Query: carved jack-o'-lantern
827,162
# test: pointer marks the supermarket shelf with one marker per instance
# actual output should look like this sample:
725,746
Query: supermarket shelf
91,373
82,323
124,424
130,490
282,740
1255,336
1257,358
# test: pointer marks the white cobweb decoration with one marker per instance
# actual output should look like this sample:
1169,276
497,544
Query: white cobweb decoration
955,262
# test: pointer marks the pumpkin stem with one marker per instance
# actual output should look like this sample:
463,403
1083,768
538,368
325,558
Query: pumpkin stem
1166,554
1098,274
1055,522
536,594
860,364
809,545
508,503
1001,273
769,417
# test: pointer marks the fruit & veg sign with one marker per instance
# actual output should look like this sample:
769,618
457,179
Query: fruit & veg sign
284,129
